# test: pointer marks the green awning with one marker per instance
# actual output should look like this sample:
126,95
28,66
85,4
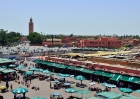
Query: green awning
110,95
107,74
98,72
115,77
8,71
2,69
129,97
78,69
36,61
135,80
87,71
62,66
125,78
71,67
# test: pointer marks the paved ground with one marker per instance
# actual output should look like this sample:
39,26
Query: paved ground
45,90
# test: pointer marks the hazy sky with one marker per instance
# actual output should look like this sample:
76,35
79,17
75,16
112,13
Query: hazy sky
80,17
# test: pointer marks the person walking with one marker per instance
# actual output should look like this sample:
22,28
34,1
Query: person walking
18,77
98,80
30,80
50,84
11,86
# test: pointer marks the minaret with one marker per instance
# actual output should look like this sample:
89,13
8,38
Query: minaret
31,26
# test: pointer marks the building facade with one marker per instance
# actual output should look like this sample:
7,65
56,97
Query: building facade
31,26
104,42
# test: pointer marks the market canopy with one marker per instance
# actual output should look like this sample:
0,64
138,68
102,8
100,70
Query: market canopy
135,80
98,72
38,98
110,95
2,69
21,67
19,90
93,98
126,90
84,70
71,67
5,60
28,73
8,71
107,74
115,77
129,97
125,78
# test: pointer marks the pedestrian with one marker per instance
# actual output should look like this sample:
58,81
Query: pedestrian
23,78
98,80
15,96
11,87
50,84
30,80
18,77
24,94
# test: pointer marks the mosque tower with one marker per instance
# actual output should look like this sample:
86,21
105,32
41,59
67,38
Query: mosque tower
31,26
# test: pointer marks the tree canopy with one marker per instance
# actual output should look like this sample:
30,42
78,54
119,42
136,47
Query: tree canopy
6,38
35,38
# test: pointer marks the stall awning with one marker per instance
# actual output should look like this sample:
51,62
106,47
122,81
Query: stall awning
2,69
71,67
107,74
36,61
115,77
8,71
61,66
135,80
125,78
98,72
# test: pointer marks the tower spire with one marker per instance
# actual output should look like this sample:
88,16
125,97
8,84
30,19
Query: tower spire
31,26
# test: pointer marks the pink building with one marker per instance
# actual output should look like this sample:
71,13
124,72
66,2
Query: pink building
106,42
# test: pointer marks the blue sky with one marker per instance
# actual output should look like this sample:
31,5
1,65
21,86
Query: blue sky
80,17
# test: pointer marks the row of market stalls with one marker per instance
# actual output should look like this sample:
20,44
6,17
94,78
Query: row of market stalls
92,74
6,61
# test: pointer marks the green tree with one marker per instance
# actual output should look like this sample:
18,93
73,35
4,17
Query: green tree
35,38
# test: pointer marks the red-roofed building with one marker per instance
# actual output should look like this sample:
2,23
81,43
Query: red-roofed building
23,39
112,42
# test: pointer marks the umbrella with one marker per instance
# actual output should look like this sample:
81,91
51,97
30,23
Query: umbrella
58,74
80,77
32,69
110,85
65,75
12,65
39,70
83,92
28,73
19,90
46,72
7,84
21,67
71,76
2,87
4,67
138,91
104,84
62,77
51,74
70,90
93,98
56,81
126,90
67,84
38,98
56,94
